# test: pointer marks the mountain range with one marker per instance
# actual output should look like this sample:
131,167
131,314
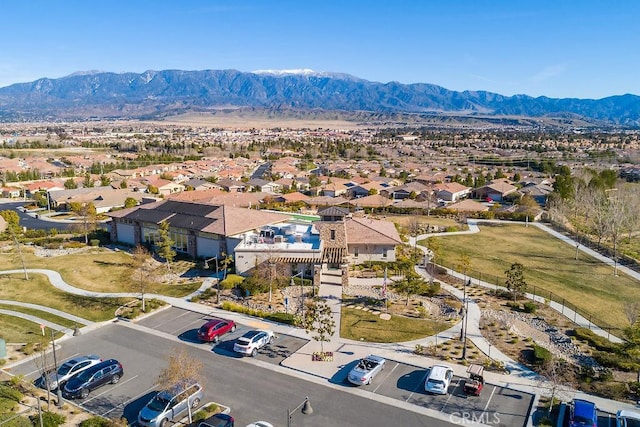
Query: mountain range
157,94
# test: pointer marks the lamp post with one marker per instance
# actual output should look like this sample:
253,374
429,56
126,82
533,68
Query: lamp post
306,409
464,342
206,266
293,283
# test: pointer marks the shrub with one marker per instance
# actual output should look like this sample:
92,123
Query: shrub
96,421
205,412
94,242
287,318
596,341
615,360
231,281
541,355
529,307
9,397
49,419
513,305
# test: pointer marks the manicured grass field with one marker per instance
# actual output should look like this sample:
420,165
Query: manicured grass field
62,321
17,330
360,325
38,290
98,270
549,264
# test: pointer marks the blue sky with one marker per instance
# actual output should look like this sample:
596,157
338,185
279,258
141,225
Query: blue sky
560,48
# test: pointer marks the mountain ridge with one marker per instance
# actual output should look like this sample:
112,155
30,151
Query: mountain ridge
154,94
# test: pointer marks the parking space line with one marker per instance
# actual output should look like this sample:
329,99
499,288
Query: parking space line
385,378
106,391
128,401
488,401
419,384
450,394
171,320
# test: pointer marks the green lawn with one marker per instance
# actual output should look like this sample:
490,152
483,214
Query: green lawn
361,325
38,290
549,264
97,270
17,330
62,321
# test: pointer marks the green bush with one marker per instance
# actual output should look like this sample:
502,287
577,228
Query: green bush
9,398
231,281
96,421
513,305
49,419
280,317
596,341
8,420
615,361
205,412
541,355
529,307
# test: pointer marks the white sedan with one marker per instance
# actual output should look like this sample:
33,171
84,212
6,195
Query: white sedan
252,341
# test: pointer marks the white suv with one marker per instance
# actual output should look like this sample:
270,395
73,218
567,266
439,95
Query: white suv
252,341
438,380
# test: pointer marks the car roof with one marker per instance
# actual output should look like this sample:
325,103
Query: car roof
439,371
79,359
214,322
632,415
583,407
102,365
252,333
374,358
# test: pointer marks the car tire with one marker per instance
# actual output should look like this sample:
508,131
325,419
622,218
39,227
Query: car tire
216,339
84,393
164,423
369,381
271,339
254,352
115,379
233,328
195,402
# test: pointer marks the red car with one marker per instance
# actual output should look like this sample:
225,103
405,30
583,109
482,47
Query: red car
214,329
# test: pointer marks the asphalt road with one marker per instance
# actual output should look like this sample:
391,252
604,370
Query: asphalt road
29,221
252,391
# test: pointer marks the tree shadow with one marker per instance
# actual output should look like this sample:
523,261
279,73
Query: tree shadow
132,409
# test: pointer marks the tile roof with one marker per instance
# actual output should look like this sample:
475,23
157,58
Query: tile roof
371,231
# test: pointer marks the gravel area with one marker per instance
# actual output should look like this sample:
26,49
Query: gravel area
542,333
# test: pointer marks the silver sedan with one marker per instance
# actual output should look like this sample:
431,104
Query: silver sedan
366,369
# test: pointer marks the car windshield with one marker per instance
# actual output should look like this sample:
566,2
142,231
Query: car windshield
582,420
158,403
65,368
243,341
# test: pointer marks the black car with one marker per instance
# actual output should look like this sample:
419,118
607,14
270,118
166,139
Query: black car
218,420
109,371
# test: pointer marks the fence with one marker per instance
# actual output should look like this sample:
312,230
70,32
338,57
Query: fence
538,293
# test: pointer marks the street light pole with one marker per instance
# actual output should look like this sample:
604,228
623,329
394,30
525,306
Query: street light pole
306,409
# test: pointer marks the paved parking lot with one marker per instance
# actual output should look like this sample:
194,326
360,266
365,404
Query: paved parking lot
184,324
496,406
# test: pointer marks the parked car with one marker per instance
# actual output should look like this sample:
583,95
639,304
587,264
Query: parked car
109,371
252,341
214,329
218,420
583,413
475,383
67,370
625,418
438,380
170,405
366,369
